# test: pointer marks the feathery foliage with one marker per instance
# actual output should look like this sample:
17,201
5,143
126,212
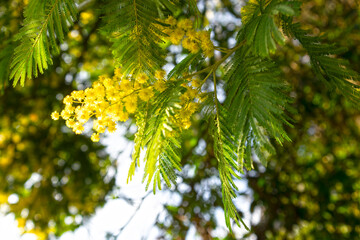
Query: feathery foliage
253,112
335,73
261,31
256,97
44,25
190,60
224,145
136,41
4,64
158,135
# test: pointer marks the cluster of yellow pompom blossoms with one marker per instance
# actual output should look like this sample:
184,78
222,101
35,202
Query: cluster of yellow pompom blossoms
115,99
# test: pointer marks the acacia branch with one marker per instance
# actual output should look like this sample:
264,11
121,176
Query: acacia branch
115,236
213,67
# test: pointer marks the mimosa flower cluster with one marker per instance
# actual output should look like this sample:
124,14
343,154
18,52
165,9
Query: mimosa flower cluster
116,99
112,100
189,101
183,32
109,100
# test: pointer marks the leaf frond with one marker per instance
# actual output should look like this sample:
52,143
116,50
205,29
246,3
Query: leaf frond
157,134
252,113
333,72
45,24
260,29
137,37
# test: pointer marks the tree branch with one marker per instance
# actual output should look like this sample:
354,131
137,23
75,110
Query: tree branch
115,236
216,64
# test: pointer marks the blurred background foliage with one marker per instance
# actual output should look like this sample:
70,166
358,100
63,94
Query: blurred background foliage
52,179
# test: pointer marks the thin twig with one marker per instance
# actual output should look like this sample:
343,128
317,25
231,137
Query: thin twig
216,65
132,216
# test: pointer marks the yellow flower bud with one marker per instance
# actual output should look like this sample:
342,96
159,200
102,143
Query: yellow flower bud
55,115
95,137
78,128
160,74
142,78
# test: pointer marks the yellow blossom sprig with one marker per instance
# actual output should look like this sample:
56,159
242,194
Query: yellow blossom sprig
189,104
109,100
112,100
182,32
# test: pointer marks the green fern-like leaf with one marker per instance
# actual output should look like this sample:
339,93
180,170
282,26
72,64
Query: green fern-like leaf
334,72
190,60
5,56
261,31
141,119
137,37
257,100
224,145
253,112
45,24
158,135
